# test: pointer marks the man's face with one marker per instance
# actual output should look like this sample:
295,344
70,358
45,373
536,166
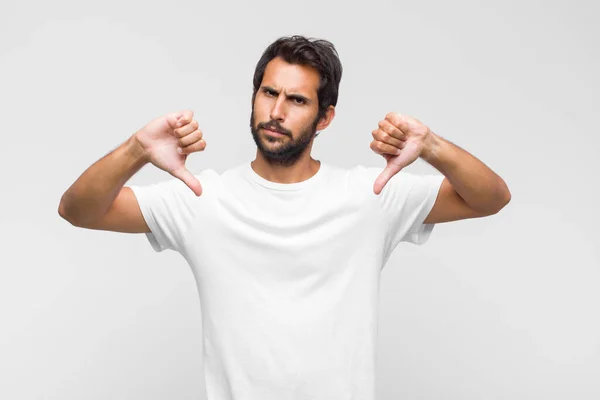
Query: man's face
287,103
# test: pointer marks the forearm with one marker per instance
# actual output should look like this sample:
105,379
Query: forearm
92,194
480,187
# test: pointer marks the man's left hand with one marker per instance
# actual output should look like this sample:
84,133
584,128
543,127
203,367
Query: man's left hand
400,139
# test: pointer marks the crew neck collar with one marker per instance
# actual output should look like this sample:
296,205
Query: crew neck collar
284,186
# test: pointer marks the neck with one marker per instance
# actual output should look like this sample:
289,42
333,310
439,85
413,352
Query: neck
303,169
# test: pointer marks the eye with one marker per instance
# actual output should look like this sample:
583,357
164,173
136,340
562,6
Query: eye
298,100
269,92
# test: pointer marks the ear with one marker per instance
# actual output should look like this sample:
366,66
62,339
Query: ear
327,118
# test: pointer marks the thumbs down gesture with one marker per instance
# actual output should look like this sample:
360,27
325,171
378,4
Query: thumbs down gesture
400,139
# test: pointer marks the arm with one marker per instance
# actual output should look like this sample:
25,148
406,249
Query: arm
98,200
470,190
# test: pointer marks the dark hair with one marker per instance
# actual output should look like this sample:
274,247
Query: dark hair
316,53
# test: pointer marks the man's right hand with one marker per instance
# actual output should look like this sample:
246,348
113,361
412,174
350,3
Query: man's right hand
161,139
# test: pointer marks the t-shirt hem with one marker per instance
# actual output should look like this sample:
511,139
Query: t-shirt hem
154,237
423,232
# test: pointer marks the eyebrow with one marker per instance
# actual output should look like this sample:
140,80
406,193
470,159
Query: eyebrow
289,96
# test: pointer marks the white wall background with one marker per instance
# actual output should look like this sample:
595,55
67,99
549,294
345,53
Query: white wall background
504,307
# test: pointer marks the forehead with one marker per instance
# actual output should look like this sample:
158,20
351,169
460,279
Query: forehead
292,78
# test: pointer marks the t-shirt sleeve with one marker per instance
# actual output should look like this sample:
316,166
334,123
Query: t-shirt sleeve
169,208
406,201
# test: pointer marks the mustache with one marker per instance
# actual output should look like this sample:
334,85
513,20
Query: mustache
274,126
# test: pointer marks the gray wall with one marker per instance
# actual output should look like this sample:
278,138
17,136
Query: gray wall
504,307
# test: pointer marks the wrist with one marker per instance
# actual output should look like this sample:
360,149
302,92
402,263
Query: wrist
136,151
432,148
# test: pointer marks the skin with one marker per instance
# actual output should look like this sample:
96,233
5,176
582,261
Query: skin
470,189
287,101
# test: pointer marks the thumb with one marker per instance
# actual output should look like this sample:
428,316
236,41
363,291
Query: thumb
189,179
388,172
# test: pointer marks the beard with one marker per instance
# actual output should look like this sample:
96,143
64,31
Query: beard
282,151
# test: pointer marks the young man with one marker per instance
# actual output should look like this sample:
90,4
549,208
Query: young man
286,250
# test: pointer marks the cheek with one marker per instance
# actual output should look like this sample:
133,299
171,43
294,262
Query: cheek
308,120
260,111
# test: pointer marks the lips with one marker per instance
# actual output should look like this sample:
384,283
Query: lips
274,132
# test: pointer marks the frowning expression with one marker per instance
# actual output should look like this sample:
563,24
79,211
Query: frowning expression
284,113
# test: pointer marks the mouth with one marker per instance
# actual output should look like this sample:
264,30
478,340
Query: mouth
273,132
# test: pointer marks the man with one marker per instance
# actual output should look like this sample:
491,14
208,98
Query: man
286,250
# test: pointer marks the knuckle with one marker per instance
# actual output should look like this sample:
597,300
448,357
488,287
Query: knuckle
198,146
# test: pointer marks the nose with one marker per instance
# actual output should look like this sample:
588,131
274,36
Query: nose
277,111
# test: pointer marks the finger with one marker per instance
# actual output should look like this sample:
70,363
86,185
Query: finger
408,155
190,138
399,121
172,119
189,179
384,137
384,148
197,146
387,127
185,117
388,172
186,129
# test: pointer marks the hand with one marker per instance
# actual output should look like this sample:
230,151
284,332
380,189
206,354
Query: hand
162,137
400,139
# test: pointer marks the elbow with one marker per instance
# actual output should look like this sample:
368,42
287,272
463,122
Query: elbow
64,213
496,202
503,199
506,196
504,202
61,208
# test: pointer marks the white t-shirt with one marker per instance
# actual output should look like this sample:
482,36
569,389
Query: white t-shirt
288,274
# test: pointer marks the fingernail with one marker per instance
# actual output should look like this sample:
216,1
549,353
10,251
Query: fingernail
179,150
